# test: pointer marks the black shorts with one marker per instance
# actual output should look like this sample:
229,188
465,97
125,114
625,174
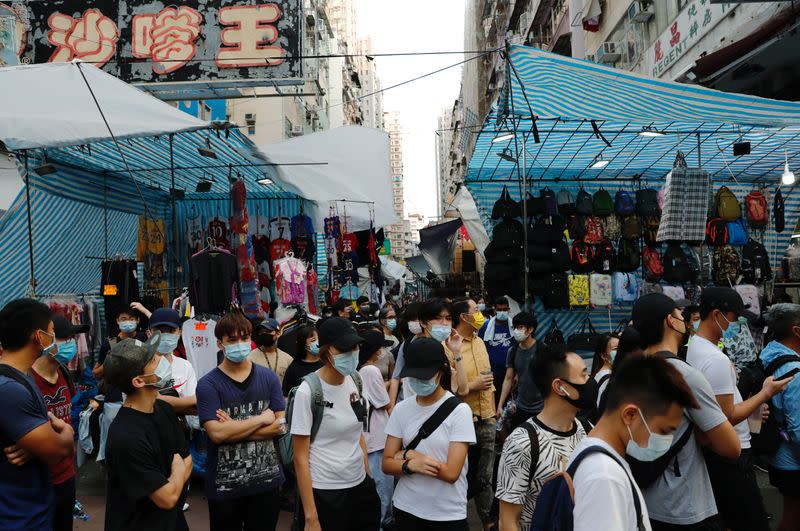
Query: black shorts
786,481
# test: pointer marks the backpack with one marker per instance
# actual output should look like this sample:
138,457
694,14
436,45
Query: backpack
631,228
554,335
581,256
749,295
737,233
550,202
777,211
578,290
726,266
600,289
611,227
566,204
605,258
727,205
507,234
653,268
594,230
676,264
556,501
650,229
692,292
770,438
647,203
628,255
556,294
755,205
623,203
624,287
706,259
602,204
650,287
583,203
716,232
505,207
755,263
575,227
317,410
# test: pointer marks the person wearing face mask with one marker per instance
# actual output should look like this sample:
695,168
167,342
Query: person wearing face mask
413,330
387,318
735,488
567,388
147,456
677,488
604,356
267,354
306,358
646,399
431,490
241,406
518,362
332,470
128,324
57,387
498,337
32,437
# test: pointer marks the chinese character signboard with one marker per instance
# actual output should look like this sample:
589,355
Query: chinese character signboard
146,41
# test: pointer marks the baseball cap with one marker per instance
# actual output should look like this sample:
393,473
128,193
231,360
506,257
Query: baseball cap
165,316
373,340
64,329
340,333
424,358
725,300
654,308
269,324
127,359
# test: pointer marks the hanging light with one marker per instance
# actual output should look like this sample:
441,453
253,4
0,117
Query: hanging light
45,169
787,179
503,138
266,181
650,132
599,162
203,186
507,156
207,151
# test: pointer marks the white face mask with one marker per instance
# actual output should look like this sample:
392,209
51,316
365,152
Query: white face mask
414,327
520,334
657,444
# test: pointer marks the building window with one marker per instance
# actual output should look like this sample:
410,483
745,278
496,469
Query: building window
204,111
250,121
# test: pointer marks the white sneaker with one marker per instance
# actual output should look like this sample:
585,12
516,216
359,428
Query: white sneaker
185,507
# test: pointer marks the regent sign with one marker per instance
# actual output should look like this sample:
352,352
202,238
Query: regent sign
149,41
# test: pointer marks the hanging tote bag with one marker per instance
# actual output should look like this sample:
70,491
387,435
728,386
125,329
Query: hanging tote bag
585,338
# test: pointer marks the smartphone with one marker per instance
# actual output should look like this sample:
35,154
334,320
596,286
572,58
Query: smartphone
788,374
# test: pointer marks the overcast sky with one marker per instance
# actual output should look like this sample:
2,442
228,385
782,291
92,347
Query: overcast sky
396,27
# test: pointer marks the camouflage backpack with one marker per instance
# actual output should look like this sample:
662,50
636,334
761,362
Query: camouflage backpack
726,266
611,227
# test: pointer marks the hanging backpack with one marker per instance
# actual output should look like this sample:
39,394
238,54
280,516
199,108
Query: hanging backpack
694,262
605,258
756,207
594,230
749,294
650,229
507,234
566,204
602,204
716,232
583,203
624,287
631,228
653,268
505,207
650,287
755,263
611,227
692,292
600,292
550,202
676,264
534,206
628,255
726,266
675,293
737,232
581,257
556,295
623,203
777,211
554,335
578,290
575,227
706,257
727,205
647,203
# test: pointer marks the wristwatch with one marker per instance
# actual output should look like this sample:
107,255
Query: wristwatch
407,471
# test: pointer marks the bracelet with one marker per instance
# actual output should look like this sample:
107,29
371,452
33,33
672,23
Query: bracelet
405,453
407,471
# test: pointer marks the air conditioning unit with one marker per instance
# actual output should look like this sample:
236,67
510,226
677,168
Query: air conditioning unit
608,53
297,130
640,12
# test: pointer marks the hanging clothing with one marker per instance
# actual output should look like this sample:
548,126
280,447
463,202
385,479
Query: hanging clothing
156,236
302,226
280,228
201,345
278,249
195,235
218,231
120,287
290,281
214,276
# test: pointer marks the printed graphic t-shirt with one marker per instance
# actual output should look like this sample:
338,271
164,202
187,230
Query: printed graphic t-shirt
58,400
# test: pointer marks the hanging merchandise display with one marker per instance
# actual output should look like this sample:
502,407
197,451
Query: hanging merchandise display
119,285
778,211
154,256
213,280
195,235
290,280
249,294
201,344
685,200
218,231
756,207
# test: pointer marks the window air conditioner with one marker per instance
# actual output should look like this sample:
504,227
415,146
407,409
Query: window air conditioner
608,53
297,130
640,12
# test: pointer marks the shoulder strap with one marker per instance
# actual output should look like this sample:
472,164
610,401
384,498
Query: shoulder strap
317,402
573,467
435,420
534,438
68,377
587,426
357,380
603,380
780,361
5,370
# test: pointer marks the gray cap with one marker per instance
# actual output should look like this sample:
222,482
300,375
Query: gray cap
128,358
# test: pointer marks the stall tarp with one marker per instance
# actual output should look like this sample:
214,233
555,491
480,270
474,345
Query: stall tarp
468,210
437,244
49,105
349,162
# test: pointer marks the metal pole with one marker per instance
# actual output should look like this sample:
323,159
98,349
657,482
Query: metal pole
105,215
32,280
175,264
525,219
699,160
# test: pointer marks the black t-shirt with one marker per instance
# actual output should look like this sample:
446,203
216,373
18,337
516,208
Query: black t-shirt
295,373
139,454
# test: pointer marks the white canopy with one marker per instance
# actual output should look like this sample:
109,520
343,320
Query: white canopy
350,163
49,105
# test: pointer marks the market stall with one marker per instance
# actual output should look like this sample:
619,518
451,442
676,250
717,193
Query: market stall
631,185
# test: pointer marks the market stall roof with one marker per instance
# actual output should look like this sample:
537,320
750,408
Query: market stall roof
586,112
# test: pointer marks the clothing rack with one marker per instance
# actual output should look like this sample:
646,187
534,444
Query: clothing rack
67,295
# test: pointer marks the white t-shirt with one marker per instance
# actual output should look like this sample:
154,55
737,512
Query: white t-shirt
201,345
707,358
424,496
375,390
599,376
603,493
184,381
335,456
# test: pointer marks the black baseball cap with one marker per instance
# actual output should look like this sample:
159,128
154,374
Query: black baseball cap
373,340
725,300
127,360
424,358
340,333
653,308
64,329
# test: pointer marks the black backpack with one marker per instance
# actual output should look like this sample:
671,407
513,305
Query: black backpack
507,234
755,263
605,258
778,209
647,203
576,227
676,264
629,257
583,203
556,294
769,439
550,202
582,257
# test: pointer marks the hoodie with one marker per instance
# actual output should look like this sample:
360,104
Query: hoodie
788,403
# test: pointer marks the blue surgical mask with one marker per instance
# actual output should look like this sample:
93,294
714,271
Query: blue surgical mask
414,327
657,444
168,343
696,325
237,352
346,362
481,307
314,348
502,316
164,373
612,355
126,327
733,329
66,351
423,387
440,332
391,324
48,350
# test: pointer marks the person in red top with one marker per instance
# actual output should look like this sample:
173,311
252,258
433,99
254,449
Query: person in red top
57,388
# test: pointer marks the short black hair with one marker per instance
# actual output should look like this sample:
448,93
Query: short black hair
549,363
501,301
689,310
459,307
411,312
651,332
303,333
781,319
526,319
19,319
340,305
431,309
650,382
234,324
124,310
362,299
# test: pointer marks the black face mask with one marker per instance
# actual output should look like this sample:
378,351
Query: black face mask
265,340
587,394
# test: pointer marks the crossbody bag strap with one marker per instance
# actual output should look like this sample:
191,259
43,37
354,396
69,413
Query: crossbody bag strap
434,421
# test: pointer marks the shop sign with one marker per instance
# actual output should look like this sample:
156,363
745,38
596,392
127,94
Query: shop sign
149,41
693,23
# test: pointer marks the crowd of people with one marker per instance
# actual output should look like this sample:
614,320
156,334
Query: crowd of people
395,416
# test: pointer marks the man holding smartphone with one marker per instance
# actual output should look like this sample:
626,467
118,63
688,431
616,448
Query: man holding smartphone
733,481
